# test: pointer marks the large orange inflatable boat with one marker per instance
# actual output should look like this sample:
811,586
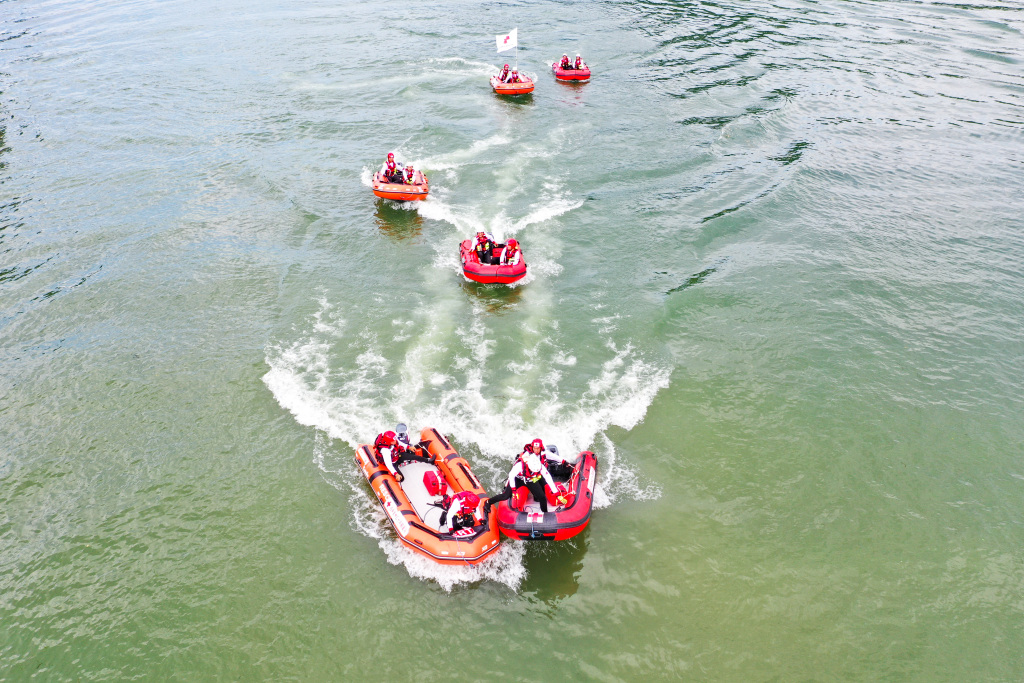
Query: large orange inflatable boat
561,74
523,87
402,192
521,517
486,273
415,513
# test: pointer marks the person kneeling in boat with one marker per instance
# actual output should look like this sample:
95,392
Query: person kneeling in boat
485,248
461,511
511,254
565,64
391,171
393,453
505,74
529,470
578,64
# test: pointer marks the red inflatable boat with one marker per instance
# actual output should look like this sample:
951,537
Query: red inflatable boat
571,74
488,274
521,517
523,87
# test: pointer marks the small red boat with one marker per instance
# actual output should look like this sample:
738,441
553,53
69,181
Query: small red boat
403,192
582,74
486,273
523,87
521,518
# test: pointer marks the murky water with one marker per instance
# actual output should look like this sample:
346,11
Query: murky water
775,285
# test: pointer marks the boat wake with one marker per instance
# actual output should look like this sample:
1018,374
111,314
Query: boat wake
340,382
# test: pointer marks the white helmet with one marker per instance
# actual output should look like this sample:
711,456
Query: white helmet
532,461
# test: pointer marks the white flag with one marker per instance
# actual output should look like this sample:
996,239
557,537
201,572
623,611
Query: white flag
506,42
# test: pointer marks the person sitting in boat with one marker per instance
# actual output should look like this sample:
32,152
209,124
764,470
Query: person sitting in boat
484,248
394,452
391,171
511,254
409,173
505,74
565,62
578,64
514,77
460,512
528,470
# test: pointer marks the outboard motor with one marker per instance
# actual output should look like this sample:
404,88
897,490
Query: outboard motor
402,434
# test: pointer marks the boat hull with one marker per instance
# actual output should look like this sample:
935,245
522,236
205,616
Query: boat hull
559,525
488,274
416,523
523,88
571,74
398,191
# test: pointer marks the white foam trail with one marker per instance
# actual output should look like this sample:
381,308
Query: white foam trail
554,207
483,408
366,176
470,67
459,157
462,217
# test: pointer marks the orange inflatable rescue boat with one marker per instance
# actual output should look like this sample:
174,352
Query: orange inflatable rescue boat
403,192
414,506
523,87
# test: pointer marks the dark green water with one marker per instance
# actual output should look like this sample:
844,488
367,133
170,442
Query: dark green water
776,286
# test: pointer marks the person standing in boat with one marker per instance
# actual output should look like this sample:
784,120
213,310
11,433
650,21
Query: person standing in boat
530,471
394,452
511,254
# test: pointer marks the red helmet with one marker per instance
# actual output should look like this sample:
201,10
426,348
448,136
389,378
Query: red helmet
469,500
388,438
512,243
506,66
537,442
